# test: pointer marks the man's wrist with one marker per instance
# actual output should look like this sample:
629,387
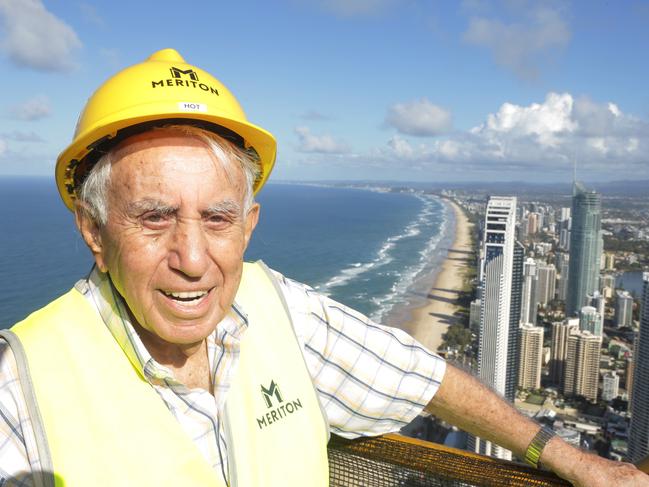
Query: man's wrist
562,458
537,445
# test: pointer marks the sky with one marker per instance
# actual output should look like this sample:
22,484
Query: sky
407,90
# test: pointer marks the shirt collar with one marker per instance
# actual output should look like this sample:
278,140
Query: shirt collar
114,313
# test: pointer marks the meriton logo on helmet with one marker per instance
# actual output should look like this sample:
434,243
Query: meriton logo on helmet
183,77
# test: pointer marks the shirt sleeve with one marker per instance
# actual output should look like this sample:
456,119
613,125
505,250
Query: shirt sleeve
18,453
371,379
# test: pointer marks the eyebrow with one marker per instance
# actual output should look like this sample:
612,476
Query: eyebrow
228,206
150,204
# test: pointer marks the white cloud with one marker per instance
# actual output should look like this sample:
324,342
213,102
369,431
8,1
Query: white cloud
420,118
545,120
36,38
3,147
356,8
541,138
521,45
401,147
33,109
319,143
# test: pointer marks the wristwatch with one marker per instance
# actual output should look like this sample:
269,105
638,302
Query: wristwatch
535,448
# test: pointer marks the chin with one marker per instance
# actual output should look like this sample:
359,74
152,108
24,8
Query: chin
188,333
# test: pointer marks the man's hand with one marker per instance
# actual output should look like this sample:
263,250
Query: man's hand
466,402
594,471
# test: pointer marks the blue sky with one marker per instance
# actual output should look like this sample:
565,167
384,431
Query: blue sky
359,89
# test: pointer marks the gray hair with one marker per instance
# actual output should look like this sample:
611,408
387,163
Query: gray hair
93,192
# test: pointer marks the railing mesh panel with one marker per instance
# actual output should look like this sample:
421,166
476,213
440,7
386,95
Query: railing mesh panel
392,460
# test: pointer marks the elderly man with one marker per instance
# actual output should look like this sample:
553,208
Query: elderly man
173,362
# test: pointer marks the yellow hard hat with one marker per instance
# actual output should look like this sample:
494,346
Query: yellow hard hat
163,89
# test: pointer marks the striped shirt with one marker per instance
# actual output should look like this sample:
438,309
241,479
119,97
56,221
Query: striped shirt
370,379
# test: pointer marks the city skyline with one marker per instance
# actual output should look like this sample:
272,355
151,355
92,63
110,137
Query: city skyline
363,89
569,366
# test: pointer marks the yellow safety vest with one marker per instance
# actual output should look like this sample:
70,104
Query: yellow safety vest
98,422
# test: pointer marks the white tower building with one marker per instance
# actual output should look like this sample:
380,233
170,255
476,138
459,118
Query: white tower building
496,360
528,298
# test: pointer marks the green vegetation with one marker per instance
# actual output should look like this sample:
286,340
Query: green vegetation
457,336
614,244
536,399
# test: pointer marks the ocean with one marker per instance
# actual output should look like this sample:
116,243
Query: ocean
371,249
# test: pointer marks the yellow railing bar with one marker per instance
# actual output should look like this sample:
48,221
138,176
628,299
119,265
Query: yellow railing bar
442,462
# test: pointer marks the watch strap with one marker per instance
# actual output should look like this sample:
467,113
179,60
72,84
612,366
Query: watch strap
536,446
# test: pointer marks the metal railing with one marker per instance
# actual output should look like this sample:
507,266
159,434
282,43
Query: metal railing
394,460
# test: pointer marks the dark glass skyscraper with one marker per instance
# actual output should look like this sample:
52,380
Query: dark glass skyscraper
585,248
639,431
513,348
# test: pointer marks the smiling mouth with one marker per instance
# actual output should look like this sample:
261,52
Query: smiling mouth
185,297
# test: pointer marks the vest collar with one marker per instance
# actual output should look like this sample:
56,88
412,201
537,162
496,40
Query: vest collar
110,305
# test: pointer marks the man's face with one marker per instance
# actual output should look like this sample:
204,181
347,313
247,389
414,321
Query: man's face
176,233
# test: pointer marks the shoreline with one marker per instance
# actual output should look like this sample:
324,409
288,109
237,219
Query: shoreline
429,321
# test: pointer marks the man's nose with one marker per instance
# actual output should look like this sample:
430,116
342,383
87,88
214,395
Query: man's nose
189,252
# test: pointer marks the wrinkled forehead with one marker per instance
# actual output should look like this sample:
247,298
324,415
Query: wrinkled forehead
168,154
167,139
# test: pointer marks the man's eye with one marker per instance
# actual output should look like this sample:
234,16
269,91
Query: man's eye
154,218
218,220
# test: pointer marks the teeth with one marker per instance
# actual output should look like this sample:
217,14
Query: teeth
187,295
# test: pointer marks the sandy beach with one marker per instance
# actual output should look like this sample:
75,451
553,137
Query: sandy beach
431,320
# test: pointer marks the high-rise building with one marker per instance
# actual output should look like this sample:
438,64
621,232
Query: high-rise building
564,239
606,281
623,309
474,316
598,301
542,248
561,330
591,320
547,276
639,431
600,249
496,359
561,258
523,228
610,386
531,357
513,349
609,261
581,372
528,293
565,214
564,230
560,288
532,223
563,264
585,248
628,379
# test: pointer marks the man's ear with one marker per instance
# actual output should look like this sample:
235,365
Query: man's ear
252,217
90,232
